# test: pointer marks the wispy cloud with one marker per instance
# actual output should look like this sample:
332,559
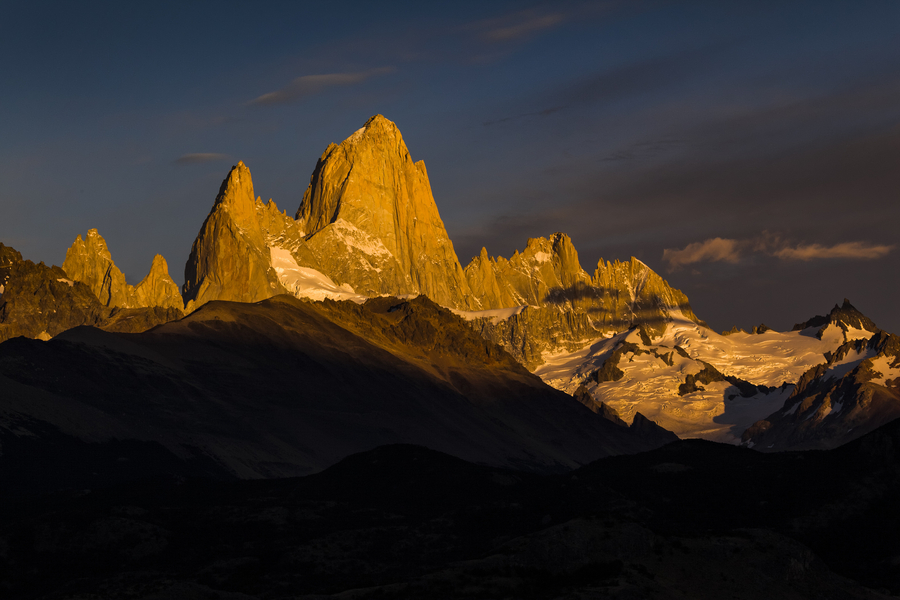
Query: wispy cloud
857,250
516,26
768,244
199,157
310,85
712,250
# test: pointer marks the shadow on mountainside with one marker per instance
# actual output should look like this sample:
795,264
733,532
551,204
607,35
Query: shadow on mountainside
575,293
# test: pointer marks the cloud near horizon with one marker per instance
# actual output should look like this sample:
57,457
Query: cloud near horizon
310,85
733,251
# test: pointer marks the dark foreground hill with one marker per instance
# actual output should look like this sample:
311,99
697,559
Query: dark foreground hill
279,388
692,520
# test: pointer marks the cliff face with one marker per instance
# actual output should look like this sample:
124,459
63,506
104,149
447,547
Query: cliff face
158,288
89,261
229,260
563,306
372,222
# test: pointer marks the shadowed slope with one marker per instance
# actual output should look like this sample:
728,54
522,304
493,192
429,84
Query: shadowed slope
286,387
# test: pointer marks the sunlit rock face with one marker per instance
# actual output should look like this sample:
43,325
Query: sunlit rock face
158,288
89,261
229,260
372,221
563,307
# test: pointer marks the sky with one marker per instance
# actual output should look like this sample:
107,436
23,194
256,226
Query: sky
749,152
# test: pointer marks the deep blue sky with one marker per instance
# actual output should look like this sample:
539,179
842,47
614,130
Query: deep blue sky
635,127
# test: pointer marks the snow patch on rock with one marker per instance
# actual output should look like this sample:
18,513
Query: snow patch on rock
853,333
496,315
882,367
849,362
359,239
304,282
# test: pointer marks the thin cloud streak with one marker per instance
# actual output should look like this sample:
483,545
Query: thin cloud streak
854,250
516,26
310,85
734,251
199,158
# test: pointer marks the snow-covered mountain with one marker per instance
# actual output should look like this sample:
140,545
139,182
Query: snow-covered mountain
855,390
698,383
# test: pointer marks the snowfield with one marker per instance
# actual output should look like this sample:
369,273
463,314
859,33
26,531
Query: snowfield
715,411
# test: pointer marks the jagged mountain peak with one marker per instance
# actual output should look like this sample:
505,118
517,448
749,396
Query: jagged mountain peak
376,153
230,259
845,316
369,203
236,194
89,260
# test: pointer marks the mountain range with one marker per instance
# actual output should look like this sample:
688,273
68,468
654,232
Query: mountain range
551,394
368,227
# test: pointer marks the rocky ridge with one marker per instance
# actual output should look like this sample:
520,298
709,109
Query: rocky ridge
562,307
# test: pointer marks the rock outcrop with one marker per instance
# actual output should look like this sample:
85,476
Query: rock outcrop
158,288
846,317
563,307
372,222
89,261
